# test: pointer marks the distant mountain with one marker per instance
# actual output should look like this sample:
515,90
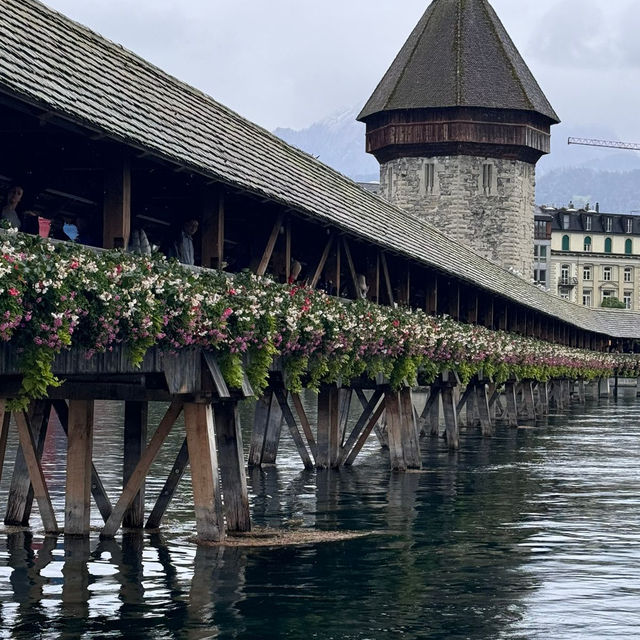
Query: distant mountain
339,142
570,173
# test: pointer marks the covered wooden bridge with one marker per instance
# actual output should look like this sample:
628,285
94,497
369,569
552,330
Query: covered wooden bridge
103,140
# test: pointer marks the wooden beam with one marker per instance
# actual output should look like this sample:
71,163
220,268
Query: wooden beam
135,440
77,515
323,261
365,434
212,234
271,243
5,419
359,426
40,491
387,279
230,456
117,202
431,305
169,488
97,488
139,474
207,499
304,421
293,428
352,269
377,277
287,251
20,496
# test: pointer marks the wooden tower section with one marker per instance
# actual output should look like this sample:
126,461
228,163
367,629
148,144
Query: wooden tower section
458,123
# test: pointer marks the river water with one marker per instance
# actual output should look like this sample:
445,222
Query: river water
532,534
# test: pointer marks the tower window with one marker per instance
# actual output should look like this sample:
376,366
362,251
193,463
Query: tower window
429,177
487,179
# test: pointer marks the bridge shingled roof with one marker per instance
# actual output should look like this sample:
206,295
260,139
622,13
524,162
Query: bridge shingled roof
459,55
52,62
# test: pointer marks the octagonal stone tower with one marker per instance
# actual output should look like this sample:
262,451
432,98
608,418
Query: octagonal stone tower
458,123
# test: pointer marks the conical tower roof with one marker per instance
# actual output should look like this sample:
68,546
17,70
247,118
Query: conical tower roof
459,55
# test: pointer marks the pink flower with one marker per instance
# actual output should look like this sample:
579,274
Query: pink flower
13,292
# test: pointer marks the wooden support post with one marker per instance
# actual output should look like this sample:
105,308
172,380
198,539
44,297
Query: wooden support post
77,511
529,402
352,269
20,496
482,402
568,386
140,472
365,434
394,429
97,488
234,479
212,233
466,397
304,421
207,500
512,405
271,243
323,260
434,410
432,296
267,426
328,436
380,432
359,426
344,406
287,250
32,463
273,432
581,392
117,203
169,488
281,395
387,278
5,419
135,441
450,417
410,436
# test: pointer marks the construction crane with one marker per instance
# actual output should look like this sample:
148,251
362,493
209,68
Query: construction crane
605,143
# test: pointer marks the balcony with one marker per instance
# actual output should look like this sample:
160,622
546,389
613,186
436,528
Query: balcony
568,282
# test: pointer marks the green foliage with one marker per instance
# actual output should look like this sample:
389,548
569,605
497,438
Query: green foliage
613,303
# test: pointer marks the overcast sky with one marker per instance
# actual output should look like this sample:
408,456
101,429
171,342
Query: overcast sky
292,62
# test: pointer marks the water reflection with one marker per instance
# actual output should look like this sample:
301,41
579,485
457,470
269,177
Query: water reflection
531,534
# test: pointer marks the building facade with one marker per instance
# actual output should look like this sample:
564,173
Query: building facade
543,222
595,256
458,123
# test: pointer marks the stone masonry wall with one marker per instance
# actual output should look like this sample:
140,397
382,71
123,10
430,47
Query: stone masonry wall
485,203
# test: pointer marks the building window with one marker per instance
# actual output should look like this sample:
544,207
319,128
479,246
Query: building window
566,221
628,274
628,299
608,224
487,179
587,223
565,243
607,245
430,177
543,251
587,243
629,225
606,273
586,297
540,276
586,272
564,274
628,246
606,294
536,250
